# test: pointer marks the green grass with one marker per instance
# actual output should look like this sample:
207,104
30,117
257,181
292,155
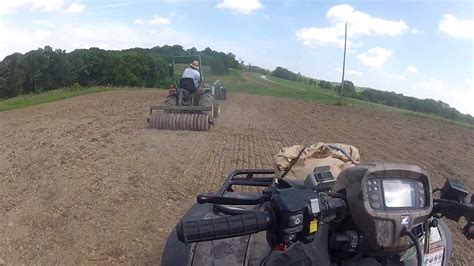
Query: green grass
46,97
235,81
241,81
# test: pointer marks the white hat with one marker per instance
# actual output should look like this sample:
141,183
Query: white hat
194,65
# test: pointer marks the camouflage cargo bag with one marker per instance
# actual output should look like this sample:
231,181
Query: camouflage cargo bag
337,156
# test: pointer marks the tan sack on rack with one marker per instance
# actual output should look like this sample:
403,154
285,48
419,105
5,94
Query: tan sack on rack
336,156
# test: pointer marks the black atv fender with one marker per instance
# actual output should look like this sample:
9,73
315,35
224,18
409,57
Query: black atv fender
177,252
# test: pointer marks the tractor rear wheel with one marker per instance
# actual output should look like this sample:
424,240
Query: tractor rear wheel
216,109
208,100
171,100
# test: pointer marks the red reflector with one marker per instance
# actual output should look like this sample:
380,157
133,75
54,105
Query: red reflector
281,247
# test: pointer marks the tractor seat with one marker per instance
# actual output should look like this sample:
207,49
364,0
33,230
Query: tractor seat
187,84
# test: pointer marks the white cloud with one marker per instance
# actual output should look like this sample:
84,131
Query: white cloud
75,8
70,36
431,84
375,57
354,73
241,6
395,76
154,21
416,31
458,28
321,36
362,23
359,24
11,6
412,69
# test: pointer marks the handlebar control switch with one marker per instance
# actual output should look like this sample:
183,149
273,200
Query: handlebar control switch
320,179
454,190
295,220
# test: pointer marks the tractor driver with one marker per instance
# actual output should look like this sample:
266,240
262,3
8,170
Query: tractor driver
193,72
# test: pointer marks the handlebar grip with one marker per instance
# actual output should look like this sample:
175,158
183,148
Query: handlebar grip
224,227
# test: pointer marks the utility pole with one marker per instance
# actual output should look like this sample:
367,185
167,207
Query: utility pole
343,66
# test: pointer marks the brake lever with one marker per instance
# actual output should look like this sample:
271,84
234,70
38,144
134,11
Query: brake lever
210,198
468,230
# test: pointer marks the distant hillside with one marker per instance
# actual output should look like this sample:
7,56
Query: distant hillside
48,69
398,100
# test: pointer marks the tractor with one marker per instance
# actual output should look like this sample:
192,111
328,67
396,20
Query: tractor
187,107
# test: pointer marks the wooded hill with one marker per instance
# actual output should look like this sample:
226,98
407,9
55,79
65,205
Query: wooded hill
48,69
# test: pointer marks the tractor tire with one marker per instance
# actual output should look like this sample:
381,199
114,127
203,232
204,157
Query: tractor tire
171,100
223,94
208,100
217,109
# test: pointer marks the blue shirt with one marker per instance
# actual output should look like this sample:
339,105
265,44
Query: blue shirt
194,74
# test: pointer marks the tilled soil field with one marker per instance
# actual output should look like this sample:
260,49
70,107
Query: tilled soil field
84,181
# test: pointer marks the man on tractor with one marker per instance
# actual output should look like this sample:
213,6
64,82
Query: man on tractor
193,73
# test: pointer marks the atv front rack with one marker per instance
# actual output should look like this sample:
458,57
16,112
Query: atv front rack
247,177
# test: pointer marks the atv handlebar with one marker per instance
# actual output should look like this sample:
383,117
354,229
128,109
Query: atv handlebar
224,227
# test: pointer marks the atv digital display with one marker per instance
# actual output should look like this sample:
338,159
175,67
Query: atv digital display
398,193
385,200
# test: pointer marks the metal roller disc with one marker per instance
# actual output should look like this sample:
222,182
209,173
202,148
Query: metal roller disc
183,121
150,120
175,121
178,121
171,121
167,121
156,120
194,122
163,121
159,122
203,122
153,119
189,124
206,122
199,122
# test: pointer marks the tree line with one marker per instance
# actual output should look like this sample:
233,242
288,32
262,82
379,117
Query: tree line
48,69
427,106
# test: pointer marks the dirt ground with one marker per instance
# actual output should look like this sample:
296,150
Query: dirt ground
84,181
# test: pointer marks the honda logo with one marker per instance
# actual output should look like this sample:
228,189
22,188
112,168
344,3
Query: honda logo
405,219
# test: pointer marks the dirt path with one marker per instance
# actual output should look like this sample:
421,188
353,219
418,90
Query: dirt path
264,77
83,181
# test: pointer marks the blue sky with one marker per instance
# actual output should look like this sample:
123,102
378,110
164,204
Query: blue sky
419,48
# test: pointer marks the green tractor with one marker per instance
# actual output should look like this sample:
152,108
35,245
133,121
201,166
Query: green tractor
187,107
